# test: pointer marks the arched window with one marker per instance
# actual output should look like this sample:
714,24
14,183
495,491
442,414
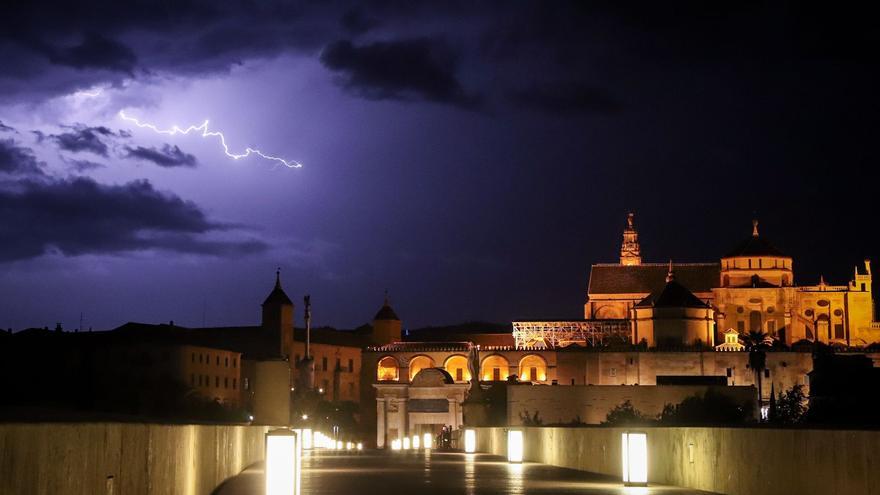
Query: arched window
532,368
419,363
387,369
494,368
457,367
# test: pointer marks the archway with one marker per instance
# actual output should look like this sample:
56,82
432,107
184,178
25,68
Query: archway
419,363
388,369
494,368
532,368
457,367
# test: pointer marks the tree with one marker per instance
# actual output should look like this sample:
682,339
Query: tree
625,414
710,409
756,343
791,406
530,420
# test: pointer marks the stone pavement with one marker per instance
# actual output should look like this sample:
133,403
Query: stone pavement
399,473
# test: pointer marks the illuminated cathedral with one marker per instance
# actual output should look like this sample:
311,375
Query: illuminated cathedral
674,329
752,289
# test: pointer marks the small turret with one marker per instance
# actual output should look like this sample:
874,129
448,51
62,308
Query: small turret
278,316
386,325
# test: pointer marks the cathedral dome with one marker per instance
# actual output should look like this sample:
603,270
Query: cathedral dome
756,263
755,245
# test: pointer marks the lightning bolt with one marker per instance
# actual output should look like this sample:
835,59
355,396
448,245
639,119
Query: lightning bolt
206,133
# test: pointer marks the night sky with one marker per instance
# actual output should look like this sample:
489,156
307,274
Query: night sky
472,158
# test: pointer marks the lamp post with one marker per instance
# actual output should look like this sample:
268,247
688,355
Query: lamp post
634,447
283,458
514,446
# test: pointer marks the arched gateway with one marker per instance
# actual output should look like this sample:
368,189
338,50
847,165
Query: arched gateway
425,405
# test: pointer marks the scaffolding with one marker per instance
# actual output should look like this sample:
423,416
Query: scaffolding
553,334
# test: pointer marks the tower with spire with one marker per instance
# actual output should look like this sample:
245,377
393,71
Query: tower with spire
278,316
630,251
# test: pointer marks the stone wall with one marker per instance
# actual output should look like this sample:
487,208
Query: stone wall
734,461
79,458
590,404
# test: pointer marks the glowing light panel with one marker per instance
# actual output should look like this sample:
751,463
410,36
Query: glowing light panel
470,441
307,438
282,465
415,442
634,446
405,443
206,133
427,440
514,446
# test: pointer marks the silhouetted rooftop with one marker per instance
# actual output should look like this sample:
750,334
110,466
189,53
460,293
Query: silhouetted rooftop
755,246
673,295
651,277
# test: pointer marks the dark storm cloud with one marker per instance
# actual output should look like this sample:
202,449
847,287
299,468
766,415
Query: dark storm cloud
6,128
169,156
421,68
94,52
80,216
357,21
565,98
17,160
106,41
83,138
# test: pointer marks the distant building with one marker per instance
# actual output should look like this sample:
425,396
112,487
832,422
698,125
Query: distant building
751,289
662,326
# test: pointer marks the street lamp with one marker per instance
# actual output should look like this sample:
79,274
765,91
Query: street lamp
634,447
282,462
514,446
470,441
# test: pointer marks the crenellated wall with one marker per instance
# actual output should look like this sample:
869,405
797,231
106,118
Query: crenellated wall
734,461
79,458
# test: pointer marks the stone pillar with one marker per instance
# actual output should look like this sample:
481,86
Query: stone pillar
381,422
452,417
403,418
789,328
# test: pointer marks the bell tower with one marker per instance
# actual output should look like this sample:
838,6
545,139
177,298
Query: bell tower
278,316
630,251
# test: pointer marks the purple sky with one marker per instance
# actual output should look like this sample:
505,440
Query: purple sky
472,159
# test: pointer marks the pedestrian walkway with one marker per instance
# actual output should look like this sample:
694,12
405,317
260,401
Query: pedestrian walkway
429,473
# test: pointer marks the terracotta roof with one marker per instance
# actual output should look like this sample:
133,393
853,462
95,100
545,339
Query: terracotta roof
648,278
673,295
